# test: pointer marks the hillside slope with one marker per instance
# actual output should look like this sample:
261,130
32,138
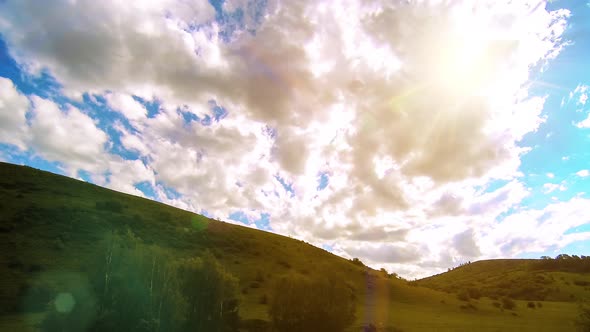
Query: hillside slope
51,226
563,279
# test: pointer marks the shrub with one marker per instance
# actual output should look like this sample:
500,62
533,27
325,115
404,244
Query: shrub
463,295
284,264
474,293
583,320
508,303
303,304
468,306
531,305
357,261
539,305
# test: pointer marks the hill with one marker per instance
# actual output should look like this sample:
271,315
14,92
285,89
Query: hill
52,228
565,278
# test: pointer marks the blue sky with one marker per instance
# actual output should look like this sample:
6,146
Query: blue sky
415,137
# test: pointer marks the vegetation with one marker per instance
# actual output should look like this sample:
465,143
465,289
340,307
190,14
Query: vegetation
77,257
141,288
302,304
561,279
583,321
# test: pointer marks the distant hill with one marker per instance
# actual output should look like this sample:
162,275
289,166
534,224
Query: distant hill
566,278
52,226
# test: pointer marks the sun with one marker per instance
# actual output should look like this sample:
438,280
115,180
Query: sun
463,65
467,61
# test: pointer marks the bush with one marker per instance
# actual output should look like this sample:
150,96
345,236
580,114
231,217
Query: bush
583,320
531,305
508,303
303,304
357,262
474,293
463,295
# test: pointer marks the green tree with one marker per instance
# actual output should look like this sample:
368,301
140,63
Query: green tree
211,295
142,288
303,304
137,286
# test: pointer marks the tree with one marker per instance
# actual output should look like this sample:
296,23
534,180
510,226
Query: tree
303,304
141,288
211,295
138,287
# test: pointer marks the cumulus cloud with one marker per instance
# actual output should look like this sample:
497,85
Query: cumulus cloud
583,173
128,106
466,245
408,109
68,136
13,108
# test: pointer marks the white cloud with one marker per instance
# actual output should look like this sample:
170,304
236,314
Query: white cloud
581,92
13,107
68,136
128,106
514,236
550,175
551,187
357,90
583,173
584,123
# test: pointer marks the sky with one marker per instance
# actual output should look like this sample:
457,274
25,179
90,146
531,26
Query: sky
414,135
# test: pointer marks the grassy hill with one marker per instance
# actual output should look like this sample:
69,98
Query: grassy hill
564,279
51,227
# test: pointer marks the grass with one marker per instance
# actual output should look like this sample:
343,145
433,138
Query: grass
51,225
515,278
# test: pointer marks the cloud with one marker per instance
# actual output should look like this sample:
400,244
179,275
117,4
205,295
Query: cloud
584,124
466,245
581,92
384,253
583,173
68,136
128,106
13,108
513,234
372,94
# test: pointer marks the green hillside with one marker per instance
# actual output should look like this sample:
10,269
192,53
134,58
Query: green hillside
52,228
562,279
